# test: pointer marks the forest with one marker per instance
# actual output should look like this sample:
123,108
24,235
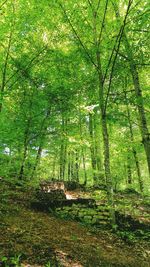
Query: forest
74,133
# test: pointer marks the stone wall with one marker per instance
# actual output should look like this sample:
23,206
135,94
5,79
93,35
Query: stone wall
97,216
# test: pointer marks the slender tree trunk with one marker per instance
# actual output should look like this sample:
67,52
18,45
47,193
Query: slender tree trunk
138,171
84,167
133,149
77,166
38,156
26,141
92,149
72,166
61,162
63,153
54,167
4,73
98,151
69,166
82,149
109,182
63,150
138,93
42,134
129,173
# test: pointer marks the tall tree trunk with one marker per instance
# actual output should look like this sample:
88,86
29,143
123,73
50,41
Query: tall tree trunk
84,167
38,156
92,149
140,105
63,150
77,166
82,149
105,134
4,73
72,166
61,175
69,166
54,168
133,149
129,173
101,179
25,149
42,134
138,93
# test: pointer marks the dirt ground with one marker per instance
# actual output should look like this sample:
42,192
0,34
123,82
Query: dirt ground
40,238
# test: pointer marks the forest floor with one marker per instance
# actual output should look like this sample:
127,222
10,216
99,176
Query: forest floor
41,239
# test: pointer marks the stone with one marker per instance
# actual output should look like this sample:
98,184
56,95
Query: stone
105,213
81,214
94,221
48,186
87,219
74,212
99,217
91,212
102,207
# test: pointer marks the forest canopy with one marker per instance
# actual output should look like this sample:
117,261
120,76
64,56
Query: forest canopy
74,99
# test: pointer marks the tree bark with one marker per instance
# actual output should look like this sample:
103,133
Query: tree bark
26,142
92,149
133,149
129,173
63,150
138,93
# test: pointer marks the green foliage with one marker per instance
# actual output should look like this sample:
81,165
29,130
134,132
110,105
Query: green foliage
12,261
126,236
48,264
50,119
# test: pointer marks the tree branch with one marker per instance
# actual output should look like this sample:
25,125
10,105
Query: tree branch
103,23
3,4
77,36
27,67
117,50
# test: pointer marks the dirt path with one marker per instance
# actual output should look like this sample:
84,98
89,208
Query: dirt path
41,237
37,235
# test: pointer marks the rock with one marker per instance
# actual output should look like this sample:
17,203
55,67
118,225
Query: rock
81,214
87,220
102,207
99,217
91,212
94,221
48,186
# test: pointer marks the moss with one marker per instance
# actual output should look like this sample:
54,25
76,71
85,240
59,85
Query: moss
102,208
73,212
94,221
91,212
81,214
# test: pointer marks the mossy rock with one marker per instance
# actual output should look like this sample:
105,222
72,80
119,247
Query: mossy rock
73,212
67,209
94,221
81,214
87,219
102,208
91,212
99,217
105,213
